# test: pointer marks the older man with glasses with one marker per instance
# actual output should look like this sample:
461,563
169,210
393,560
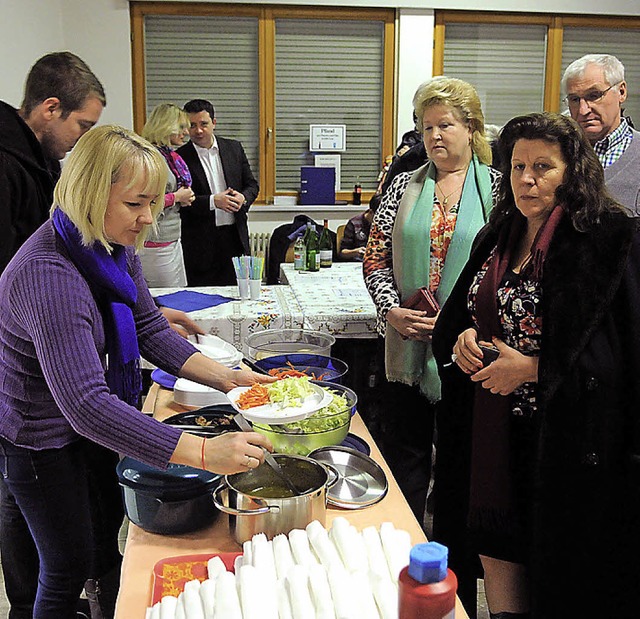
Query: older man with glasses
595,91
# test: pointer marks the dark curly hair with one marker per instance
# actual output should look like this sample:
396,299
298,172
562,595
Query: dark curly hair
582,191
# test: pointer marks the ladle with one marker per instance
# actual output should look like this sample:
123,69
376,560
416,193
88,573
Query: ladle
245,426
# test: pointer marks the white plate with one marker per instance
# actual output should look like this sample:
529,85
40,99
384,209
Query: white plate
274,415
228,355
192,394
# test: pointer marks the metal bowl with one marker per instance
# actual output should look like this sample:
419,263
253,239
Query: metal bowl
283,341
317,430
318,367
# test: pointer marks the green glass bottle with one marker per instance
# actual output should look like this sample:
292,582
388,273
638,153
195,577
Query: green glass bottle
326,247
313,253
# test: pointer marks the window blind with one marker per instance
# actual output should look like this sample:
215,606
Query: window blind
623,44
214,58
329,72
505,63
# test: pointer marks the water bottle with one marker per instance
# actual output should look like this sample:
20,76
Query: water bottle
299,254
426,587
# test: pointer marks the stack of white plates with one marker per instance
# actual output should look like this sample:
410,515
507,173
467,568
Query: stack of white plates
218,350
188,393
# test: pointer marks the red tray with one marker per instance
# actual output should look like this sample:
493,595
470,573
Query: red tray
170,574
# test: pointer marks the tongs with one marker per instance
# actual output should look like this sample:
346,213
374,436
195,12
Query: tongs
245,426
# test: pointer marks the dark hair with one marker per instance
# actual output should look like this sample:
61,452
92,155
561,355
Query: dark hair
62,75
199,105
582,192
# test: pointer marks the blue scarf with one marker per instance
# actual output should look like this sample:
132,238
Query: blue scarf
115,293
412,361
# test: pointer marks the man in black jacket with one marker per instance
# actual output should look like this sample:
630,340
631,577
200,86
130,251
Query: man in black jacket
214,227
62,100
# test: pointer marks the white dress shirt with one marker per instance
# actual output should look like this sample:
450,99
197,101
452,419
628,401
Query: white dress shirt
212,164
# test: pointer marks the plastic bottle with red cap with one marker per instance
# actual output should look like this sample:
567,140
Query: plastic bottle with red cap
426,587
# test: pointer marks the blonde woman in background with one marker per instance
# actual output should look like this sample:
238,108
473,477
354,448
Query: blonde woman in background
162,261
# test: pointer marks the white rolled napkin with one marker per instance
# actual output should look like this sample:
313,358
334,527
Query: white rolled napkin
180,612
349,544
208,597
168,605
364,595
342,594
396,544
192,585
282,555
155,611
192,604
322,545
385,594
227,604
215,567
321,592
246,553
375,552
284,606
300,548
299,595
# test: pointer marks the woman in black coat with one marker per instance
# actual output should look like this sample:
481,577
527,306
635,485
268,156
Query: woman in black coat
539,451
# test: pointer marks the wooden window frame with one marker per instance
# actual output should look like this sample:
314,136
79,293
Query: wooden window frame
555,33
266,15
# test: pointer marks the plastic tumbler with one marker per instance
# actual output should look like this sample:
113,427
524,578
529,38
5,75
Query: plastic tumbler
254,288
243,288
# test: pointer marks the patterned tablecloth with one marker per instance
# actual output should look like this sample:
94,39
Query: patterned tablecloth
333,300
278,308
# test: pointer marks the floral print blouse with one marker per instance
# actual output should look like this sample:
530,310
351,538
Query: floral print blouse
519,309
378,261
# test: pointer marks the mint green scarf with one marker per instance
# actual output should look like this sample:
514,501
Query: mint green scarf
411,361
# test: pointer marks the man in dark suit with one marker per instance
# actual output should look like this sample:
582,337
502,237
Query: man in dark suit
214,227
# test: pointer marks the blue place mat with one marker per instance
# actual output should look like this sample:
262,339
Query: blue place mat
190,300
164,379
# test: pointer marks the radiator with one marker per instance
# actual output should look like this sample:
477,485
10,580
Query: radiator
259,246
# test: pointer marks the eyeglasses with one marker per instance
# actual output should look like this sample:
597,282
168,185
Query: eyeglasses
591,97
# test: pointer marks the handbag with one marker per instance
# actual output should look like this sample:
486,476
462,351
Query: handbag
423,301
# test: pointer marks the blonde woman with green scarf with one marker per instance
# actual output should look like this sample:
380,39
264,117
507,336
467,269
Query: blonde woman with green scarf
421,236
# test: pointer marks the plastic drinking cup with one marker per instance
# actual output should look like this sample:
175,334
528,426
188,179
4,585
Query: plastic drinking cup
243,288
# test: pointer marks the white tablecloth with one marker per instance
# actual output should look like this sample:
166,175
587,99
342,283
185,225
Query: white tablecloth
333,300
277,308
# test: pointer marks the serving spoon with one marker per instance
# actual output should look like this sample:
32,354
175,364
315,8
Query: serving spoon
245,426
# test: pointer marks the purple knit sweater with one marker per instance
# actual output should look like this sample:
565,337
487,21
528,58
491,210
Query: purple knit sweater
52,357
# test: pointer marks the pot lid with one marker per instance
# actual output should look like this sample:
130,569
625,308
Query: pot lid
361,481
177,481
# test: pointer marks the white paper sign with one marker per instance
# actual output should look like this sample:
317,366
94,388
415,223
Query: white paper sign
329,161
327,137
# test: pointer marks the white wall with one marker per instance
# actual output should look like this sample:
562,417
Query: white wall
30,29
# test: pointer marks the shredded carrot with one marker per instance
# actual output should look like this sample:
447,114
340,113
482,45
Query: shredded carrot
256,396
285,373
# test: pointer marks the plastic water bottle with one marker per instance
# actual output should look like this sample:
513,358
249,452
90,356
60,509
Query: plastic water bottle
426,587
299,254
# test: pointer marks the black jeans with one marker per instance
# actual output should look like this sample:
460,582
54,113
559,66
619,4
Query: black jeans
405,430
70,500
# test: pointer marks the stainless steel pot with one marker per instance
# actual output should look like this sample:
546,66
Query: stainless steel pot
244,497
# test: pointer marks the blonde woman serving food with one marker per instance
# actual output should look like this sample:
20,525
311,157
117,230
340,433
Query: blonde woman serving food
75,316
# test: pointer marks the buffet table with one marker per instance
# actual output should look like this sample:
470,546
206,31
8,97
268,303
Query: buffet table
143,550
334,299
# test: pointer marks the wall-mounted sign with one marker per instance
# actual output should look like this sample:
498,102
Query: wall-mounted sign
327,137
